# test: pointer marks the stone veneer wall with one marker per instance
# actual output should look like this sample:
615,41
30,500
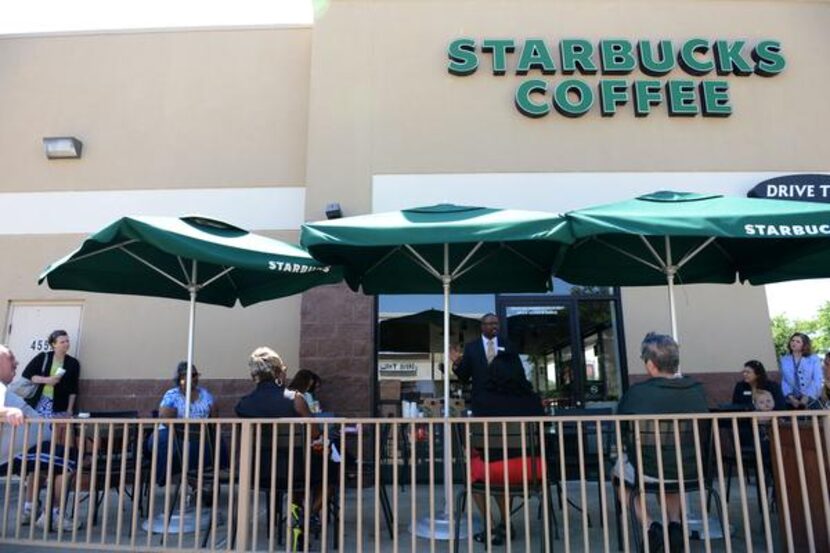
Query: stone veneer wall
718,386
144,395
337,341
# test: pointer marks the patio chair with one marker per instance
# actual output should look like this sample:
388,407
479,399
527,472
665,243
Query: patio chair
668,456
748,454
273,462
496,436
119,435
590,451
211,473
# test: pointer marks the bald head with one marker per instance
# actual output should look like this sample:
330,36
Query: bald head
8,365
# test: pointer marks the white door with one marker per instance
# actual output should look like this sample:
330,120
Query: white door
31,323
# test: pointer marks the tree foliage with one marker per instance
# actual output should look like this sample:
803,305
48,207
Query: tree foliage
818,329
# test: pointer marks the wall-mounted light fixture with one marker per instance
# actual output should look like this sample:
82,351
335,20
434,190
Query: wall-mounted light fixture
62,147
333,211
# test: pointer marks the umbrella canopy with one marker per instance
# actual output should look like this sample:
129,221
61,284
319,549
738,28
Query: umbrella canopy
489,250
413,333
696,238
435,248
156,256
188,258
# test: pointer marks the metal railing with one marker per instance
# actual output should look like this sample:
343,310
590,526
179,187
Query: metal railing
364,484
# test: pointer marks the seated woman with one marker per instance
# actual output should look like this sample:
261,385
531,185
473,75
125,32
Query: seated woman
307,383
172,406
271,399
755,380
507,394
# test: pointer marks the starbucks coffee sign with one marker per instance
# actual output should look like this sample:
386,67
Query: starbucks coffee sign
614,59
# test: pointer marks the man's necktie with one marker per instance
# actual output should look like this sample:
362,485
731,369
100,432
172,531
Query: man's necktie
491,351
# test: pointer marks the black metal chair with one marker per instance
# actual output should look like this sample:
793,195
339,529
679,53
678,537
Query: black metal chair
495,436
670,447
590,458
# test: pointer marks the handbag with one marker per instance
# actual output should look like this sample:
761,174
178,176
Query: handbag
24,387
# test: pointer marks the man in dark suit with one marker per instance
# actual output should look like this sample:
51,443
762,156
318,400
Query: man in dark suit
477,360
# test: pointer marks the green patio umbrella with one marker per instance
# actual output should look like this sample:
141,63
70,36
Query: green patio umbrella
188,258
669,237
440,248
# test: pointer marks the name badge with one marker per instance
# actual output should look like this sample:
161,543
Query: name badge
748,392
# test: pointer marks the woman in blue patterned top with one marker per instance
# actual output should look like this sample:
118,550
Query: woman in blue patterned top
173,403
172,406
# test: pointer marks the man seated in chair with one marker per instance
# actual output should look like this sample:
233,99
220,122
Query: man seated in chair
665,392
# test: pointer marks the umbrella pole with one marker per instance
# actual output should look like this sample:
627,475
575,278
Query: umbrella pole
189,379
446,280
672,308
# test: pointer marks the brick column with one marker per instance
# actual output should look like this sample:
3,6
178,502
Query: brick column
337,341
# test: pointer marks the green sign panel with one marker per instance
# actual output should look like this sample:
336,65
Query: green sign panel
703,90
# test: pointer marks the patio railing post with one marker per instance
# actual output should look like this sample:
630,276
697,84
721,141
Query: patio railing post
244,492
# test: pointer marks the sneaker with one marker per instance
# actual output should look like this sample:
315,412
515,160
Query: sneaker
675,537
655,538
67,523
26,517
42,521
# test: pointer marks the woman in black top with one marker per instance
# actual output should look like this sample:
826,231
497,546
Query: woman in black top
271,399
755,379
506,393
57,374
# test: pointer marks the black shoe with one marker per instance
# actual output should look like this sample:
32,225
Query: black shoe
497,537
655,537
675,537
501,529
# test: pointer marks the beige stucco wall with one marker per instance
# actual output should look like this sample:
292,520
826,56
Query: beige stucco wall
136,337
199,109
382,102
156,110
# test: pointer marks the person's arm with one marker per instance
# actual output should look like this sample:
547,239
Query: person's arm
12,415
303,411
34,368
71,380
737,393
168,413
167,407
460,364
816,381
777,396
787,375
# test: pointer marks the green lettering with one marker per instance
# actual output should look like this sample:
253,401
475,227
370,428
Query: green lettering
768,59
499,50
612,93
535,55
563,103
648,60
689,61
577,52
714,99
463,59
524,103
729,58
616,57
646,94
681,97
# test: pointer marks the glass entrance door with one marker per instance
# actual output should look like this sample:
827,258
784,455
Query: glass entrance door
569,346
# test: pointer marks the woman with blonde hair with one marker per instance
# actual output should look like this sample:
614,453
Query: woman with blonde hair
271,398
